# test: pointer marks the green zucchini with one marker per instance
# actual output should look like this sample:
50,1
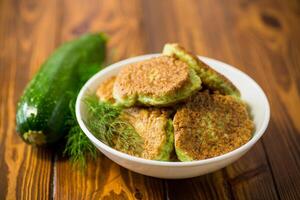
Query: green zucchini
43,109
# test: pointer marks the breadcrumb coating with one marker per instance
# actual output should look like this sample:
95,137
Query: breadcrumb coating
151,125
160,77
209,77
210,125
104,92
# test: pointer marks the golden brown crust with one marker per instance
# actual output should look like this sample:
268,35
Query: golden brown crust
104,92
150,124
203,65
211,125
226,81
155,77
206,80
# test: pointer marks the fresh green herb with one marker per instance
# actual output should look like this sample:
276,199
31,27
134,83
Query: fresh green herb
78,146
105,122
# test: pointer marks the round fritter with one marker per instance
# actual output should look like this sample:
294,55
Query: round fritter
104,92
158,81
209,77
210,125
155,129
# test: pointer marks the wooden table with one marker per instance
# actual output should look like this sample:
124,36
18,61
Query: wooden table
262,38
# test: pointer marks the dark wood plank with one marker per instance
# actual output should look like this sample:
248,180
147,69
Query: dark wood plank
211,186
259,37
27,36
178,25
270,32
104,179
250,177
191,25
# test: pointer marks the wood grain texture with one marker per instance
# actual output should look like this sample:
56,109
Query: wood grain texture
250,177
104,179
27,36
259,37
270,31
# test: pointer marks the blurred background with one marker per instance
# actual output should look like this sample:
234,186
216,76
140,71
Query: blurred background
260,37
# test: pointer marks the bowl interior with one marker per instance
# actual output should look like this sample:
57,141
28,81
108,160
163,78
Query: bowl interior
250,91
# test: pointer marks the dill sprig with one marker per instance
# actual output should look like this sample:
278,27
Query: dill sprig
105,122
78,147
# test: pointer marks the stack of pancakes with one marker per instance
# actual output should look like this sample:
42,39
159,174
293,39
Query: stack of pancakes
177,103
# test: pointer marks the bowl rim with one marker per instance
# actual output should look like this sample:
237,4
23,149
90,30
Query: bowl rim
117,153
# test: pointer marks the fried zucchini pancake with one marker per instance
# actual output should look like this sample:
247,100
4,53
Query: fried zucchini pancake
155,129
209,77
210,125
104,92
158,81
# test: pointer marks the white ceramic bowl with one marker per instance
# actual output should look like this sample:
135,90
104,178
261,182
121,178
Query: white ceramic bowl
251,93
